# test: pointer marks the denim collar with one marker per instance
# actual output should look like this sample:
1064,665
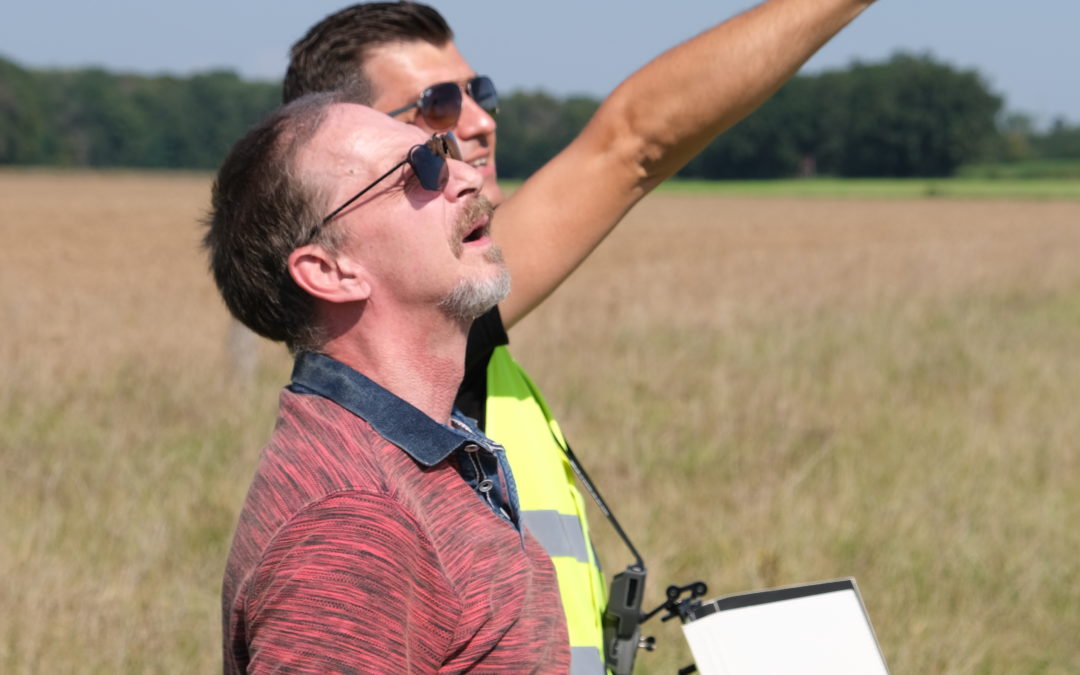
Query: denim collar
396,420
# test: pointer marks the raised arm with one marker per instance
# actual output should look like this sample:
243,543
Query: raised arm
649,127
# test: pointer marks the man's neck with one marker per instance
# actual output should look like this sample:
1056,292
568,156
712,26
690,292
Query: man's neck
420,361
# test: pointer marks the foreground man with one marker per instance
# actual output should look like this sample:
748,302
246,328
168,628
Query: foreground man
381,532
400,59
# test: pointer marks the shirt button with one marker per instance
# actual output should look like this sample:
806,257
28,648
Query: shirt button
472,447
485,485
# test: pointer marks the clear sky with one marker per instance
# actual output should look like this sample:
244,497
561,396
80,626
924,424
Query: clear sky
1028,51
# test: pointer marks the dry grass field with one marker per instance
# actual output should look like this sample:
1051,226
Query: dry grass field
768,391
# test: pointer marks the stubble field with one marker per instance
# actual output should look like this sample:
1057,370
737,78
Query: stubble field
767,390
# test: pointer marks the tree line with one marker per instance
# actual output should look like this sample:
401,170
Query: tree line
908,116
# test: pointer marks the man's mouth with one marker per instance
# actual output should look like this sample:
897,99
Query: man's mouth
478,162
480,230
476,221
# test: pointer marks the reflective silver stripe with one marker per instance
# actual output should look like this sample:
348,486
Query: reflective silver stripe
558,533
586,661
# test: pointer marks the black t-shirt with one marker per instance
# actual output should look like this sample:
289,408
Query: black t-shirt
486,334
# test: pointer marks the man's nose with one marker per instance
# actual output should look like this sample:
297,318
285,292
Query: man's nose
464,180
475,122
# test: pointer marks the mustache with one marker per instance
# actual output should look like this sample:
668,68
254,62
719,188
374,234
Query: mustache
479,208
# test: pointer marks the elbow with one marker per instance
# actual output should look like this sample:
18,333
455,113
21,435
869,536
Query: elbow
633,140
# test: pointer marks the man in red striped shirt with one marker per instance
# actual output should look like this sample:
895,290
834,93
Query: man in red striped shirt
382,531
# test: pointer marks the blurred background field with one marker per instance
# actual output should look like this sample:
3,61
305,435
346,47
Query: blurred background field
768,389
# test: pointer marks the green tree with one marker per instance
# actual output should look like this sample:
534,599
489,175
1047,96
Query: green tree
23,127
910,116
1062,141
533,127
97,124
90,117
777,140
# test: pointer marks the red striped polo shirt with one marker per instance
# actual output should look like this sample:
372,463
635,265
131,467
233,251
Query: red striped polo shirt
353,555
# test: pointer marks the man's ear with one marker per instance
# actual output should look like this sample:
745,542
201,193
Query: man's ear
329,277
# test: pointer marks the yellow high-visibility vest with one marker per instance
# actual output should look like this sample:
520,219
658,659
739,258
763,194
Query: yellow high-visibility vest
552,507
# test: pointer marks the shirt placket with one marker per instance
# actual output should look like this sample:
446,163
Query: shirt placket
484,471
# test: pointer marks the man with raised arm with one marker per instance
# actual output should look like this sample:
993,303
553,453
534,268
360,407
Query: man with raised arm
381,532
400,58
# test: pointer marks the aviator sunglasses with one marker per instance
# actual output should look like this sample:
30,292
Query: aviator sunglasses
428,162
440,104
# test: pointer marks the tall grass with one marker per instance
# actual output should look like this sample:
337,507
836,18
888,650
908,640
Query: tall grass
768,392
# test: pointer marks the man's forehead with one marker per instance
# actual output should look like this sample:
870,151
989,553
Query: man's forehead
406,68
353,138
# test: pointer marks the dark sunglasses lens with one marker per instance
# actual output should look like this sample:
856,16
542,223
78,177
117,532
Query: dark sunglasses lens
430,168
482,90
445,145
441,105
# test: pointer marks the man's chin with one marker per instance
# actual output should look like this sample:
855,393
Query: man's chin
472,298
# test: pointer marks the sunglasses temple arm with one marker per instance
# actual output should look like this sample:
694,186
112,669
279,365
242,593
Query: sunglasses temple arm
395,113
363,192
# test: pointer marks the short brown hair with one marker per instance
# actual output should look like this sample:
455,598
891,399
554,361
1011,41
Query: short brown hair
331,56
261,211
